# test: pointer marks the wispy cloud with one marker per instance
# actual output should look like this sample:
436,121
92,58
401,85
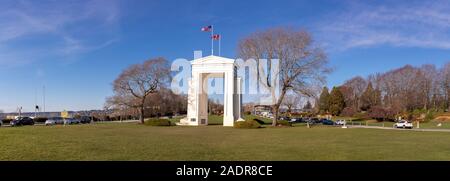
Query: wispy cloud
423,24
55,28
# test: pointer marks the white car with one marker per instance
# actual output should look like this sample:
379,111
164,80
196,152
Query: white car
403,124
50,122
341,122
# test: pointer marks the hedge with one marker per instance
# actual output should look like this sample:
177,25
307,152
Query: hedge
259,121
158,122
248,124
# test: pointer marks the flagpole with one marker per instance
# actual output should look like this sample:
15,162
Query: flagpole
212,40
220,39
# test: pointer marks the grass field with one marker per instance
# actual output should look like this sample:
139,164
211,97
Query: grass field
131,141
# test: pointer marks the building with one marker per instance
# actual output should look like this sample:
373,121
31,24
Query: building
262,110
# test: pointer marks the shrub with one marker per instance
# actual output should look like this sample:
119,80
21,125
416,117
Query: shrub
259,121
248,124
381,114
361,115
429,116
158,122
349,112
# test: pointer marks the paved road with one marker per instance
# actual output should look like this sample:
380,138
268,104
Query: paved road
389,128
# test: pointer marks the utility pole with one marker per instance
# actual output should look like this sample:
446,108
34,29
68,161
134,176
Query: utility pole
35,102
43,97
20,111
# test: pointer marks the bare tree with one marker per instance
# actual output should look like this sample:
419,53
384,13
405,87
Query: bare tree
292,101
137,82
445,84
355,88
302,64
430,76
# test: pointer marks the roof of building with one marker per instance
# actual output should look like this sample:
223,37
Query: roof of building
212,59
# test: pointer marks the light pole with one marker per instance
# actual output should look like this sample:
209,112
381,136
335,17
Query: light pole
20,111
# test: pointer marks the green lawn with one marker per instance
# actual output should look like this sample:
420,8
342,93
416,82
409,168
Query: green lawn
130,141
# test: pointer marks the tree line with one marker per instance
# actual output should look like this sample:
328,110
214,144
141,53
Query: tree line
407,91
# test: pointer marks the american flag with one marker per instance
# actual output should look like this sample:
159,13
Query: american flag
207,28
216,37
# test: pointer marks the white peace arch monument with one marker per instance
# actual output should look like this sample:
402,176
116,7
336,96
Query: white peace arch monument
213,67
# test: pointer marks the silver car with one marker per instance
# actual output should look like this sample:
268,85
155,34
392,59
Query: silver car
71,121
54,120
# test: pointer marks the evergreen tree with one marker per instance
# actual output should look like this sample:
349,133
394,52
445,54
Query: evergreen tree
308,106
377,98
337,101
370,98
324,100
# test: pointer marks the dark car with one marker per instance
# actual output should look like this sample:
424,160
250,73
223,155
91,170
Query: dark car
327,122
316,120
284,118
85,119
22,121
309,120
297,120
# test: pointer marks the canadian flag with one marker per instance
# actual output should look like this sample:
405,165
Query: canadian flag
216,37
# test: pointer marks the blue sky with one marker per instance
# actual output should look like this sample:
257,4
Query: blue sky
77,48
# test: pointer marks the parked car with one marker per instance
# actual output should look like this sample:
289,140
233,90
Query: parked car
1,122
71,121
317,120
341,122
54,120
297,120
85,119
20,121
50,122
312,120
327,122
403,124
284,118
